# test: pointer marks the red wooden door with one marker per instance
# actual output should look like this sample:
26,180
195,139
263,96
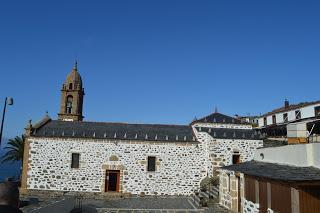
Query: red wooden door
112,181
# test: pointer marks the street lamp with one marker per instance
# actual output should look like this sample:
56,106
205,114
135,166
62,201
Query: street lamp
8,101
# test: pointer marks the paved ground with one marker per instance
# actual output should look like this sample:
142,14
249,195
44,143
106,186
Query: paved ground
145,203
135,205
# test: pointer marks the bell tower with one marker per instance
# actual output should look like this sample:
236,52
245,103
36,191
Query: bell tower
72,94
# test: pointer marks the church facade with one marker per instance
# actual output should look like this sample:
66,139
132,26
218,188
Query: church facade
70,154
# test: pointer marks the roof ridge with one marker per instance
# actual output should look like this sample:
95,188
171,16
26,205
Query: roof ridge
103,122
290,107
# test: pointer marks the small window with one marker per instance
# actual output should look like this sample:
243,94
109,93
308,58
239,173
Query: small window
298,114
285,117
317,111
265,121
235,158
75,157
151,164
70,86
274,120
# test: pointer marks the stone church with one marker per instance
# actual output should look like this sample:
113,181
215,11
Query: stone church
69,154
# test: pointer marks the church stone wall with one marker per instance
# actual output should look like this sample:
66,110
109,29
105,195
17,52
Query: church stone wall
219,151
179,167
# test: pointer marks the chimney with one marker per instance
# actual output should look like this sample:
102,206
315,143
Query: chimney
286,103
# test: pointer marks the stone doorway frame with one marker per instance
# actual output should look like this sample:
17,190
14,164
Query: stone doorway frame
107,167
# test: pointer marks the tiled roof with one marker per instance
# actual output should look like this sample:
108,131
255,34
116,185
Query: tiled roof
120,131
290,107
224,133
219,118
277,172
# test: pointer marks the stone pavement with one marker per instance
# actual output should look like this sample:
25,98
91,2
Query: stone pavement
120,205
106,210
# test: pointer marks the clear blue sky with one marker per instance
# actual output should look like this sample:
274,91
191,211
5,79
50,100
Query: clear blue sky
158,61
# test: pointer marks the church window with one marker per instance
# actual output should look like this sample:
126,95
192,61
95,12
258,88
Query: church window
75,157
69,104
151,164
70,86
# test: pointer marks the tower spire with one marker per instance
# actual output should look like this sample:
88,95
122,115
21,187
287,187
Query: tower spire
75,66
216,109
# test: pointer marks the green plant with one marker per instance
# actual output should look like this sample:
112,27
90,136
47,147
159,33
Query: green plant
15,148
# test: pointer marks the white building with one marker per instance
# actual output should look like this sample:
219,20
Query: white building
69,154
290,113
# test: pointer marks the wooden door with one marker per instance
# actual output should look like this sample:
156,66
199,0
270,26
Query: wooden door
112,181
280,198
309,199
263,197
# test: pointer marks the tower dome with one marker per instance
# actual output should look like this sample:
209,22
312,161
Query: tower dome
73,80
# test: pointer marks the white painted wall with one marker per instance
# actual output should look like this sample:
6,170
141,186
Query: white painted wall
291,115
315,150
269,120
297,130
279,118
296,155
260,122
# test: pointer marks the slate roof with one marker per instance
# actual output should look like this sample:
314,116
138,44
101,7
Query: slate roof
120,131
273,143
217,117
290,107
224,133
278,172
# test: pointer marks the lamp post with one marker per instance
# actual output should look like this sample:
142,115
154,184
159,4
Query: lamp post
8,101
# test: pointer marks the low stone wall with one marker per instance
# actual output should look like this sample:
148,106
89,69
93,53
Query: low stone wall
228,190
250,207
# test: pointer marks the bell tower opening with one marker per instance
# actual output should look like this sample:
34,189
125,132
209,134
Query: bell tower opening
72,94
69,104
